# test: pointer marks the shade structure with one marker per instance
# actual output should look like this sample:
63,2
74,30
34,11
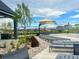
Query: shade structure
47,21
5,11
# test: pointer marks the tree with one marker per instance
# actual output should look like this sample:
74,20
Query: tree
25,15
4,27
22,15
17,16
9,27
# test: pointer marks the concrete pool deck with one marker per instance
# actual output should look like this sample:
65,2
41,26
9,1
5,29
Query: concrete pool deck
72,37
46,55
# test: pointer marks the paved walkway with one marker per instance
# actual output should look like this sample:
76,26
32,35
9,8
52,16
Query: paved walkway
45,55
42,45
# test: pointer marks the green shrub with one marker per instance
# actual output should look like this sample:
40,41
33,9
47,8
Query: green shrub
12,44
17,46
9,50
24,39
4,45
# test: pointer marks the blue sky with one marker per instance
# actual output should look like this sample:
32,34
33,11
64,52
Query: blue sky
62,11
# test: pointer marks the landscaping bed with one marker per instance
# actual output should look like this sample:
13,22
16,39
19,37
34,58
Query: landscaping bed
35,50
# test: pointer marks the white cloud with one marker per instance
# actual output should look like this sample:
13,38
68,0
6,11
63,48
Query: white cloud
37,15
50,12
75,16
45,10
56,13
55,4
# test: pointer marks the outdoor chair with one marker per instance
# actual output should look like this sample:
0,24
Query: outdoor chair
62,45
67,56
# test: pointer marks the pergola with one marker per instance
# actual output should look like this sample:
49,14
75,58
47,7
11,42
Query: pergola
46,21
6,12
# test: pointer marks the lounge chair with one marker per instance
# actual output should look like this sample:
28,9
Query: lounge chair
62,46
67,56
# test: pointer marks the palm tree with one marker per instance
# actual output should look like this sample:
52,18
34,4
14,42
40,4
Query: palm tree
16,17
25,15
22,15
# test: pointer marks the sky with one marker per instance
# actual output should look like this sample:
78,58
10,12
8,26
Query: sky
61,11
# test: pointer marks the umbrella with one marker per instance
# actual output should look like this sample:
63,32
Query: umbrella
47,21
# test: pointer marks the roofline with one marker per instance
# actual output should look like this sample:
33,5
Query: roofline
5,7
6,13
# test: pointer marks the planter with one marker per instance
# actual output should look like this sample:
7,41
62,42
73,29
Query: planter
34,42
